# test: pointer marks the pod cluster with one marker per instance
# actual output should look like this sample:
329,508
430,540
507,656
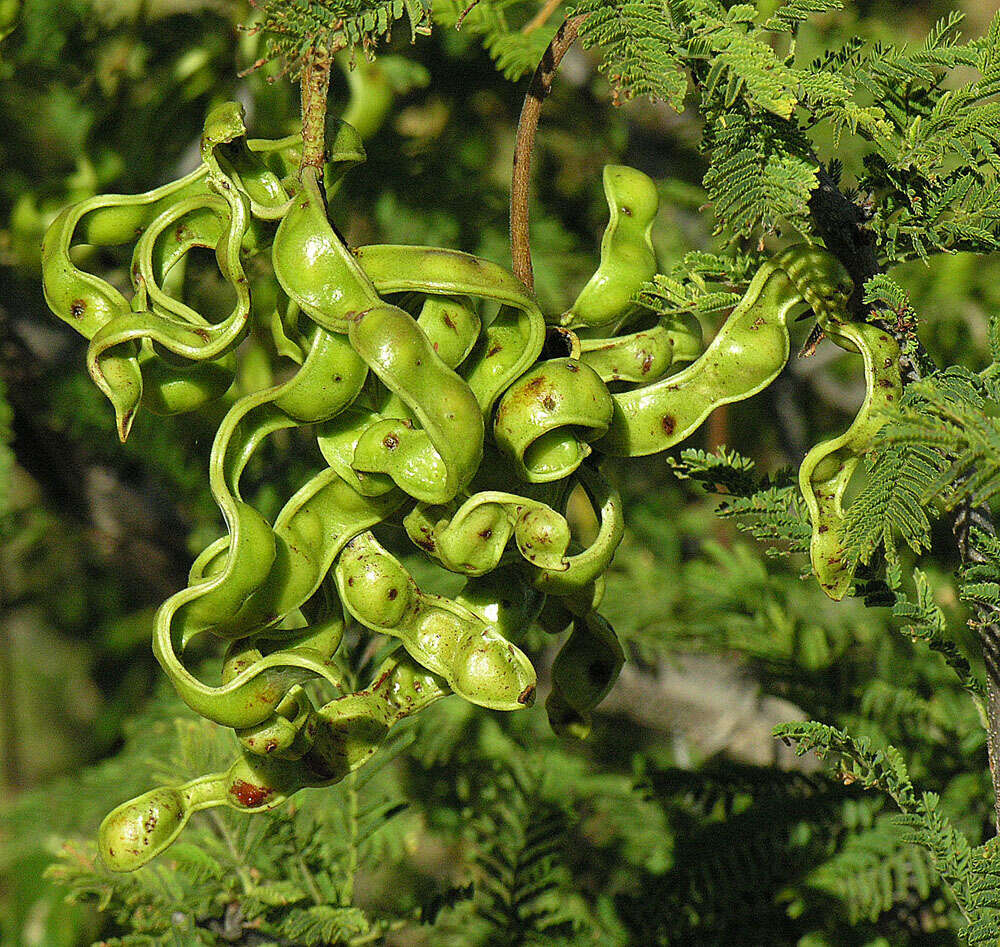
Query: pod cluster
442,401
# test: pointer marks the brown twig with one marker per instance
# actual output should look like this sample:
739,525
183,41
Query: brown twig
520,182
315,82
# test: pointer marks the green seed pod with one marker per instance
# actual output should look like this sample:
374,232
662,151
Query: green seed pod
512,340
627,258
545,421
447,639
141,828
827,469
744,358
582,674
472,539
435,462
576,574
644,356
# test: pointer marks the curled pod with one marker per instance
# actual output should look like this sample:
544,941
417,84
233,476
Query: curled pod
348,731
472,538
101,314
546,420
285,734
451,325
627,257
582,674
225,151
432,462
645,356
827,469
748,353
184,361
254,576
337,440
313,265
578,574
508,344
475,660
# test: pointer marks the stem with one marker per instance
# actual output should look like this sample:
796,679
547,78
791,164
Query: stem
315,84
541,17
352,841
841,225
239,858
527,125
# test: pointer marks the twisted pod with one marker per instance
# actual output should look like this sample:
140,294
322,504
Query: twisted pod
418,372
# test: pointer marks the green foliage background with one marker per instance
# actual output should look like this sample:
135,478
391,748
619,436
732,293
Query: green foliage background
681,820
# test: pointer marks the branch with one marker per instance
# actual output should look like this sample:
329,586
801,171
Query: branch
527,125
315,83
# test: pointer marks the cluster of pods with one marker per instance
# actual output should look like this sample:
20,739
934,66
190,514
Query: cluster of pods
443,402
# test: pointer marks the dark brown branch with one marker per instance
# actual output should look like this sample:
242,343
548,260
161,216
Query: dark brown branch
520,182
841,225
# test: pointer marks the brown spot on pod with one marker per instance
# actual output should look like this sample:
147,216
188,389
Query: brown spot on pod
448,321
572,367
549,403
391,594
527,696
495,350
248,795
823,529
668,423
390,442
627,211
647,362
77,308
485,533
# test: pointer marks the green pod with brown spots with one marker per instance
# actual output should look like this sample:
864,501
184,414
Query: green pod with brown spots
138,830
472,539
475,660
508,344
627,257
827,469
749,352
646,356
577,573
546,420
432,462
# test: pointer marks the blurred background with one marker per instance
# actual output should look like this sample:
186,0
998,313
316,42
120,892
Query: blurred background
681,820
